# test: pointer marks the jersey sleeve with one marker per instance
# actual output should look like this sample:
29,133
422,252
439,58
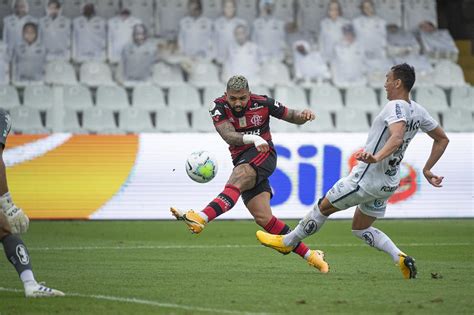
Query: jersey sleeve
218,113
428,123
394,113
275,108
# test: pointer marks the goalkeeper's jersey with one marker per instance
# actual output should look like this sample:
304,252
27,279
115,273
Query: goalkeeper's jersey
255,119
385,173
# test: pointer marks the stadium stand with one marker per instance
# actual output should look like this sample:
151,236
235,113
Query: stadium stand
458,120
180,84
27,120
99,120
279,125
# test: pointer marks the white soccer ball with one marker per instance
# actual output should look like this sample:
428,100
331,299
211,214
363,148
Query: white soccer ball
201,166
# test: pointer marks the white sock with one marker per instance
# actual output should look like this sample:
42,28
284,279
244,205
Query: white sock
27,277
308,253
203,216
378,239
310,224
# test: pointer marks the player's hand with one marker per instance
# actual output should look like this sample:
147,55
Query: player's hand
307,115
433,179
17,219
260,143
366,157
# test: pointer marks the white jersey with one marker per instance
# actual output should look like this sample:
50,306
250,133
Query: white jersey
372,34
168,13
384,176
224,31
119,34
89,39
138,60
29,62
331,34
55,34
195,37
13,29
269,34
244,60
4,65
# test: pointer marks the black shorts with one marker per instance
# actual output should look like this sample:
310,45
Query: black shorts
5,125
264,165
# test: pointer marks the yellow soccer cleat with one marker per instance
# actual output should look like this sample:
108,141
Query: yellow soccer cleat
194,222
407,266
274,241
316,259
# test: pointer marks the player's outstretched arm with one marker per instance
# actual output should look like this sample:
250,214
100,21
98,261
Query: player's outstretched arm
397,131
299,117
232,137
440,142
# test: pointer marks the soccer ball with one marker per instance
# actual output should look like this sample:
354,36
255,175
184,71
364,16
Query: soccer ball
201,166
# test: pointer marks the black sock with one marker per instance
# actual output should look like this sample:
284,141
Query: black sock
16,253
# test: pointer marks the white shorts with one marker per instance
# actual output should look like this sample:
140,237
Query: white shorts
347,193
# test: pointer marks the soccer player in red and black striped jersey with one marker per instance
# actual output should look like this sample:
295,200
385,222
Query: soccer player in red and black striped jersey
242,120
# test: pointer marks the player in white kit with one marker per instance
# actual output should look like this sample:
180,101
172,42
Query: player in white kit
376,177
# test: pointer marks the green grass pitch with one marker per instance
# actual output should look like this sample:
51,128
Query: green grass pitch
158,267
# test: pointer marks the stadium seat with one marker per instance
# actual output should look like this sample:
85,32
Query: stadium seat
111,97
99,120
135,120
67,122
448,74
352,120
247,10
172,120
361,98
432,98
95,73
462,97
142,9
326,97
279,125
201,120
167,76
183,97
211,93
212,8
8,97
293,97
77,97
204,74
38,96
60,73
458,120
275,73
322,123
26,120
148,97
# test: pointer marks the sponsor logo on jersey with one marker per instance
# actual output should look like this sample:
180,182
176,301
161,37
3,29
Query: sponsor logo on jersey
255,106
398,111
388,188
243,122
277,104
378,203
252,132
256,120
412,125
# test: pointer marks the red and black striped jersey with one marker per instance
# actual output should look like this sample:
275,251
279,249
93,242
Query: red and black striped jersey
254,121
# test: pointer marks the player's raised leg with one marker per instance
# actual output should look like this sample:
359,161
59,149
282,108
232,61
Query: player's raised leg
259,207
242,178
363,229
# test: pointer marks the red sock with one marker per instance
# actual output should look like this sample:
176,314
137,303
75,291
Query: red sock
275,226
222,203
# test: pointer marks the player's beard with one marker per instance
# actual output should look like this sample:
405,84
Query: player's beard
239,113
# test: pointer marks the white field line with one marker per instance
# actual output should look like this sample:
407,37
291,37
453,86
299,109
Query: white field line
79,248
144,302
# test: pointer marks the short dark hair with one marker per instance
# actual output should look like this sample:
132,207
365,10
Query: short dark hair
405,73
30,25
55,2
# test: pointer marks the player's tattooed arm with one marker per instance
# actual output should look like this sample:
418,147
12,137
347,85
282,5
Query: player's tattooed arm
228,133
298,117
